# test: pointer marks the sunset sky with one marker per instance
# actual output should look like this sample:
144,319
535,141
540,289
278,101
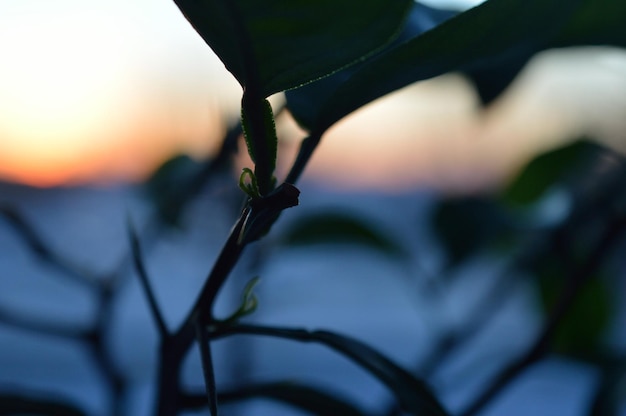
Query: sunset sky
106,90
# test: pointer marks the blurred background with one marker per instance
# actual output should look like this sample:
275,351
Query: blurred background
137,80
95,97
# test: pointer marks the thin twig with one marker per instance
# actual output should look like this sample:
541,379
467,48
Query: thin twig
47,328
145,282
207,366
101,355
45,253
307,147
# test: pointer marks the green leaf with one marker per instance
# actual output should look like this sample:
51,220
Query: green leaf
340,227
311,399
492,33
548,170
304,102
274,45
248,305
412,394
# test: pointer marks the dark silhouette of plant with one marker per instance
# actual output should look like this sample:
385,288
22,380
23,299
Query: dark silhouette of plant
332,58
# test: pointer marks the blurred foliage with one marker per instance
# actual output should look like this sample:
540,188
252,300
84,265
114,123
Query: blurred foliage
547,192
467,225
334,227
552,215
170,185
582,331
558,167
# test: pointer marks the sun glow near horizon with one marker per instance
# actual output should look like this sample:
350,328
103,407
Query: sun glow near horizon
83,83
94,91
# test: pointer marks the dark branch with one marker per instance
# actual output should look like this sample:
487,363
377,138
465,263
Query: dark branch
145,282
38,326
44,252
207,366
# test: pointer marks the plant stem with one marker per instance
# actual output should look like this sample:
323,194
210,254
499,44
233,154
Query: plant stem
207,366
307,147
172,354
145,282
44,251
256,132
175,346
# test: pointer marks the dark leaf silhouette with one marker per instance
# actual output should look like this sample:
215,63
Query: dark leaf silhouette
305,102
497,31
412,394
278,44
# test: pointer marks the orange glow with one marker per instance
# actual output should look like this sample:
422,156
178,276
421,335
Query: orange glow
101,91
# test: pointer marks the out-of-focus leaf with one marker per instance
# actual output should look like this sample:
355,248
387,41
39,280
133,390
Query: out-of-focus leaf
489,34
12,405
340,227
304,102
412,394
580,332
594,22
468,225
171,186
315,400
491,80
547,170
275,45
